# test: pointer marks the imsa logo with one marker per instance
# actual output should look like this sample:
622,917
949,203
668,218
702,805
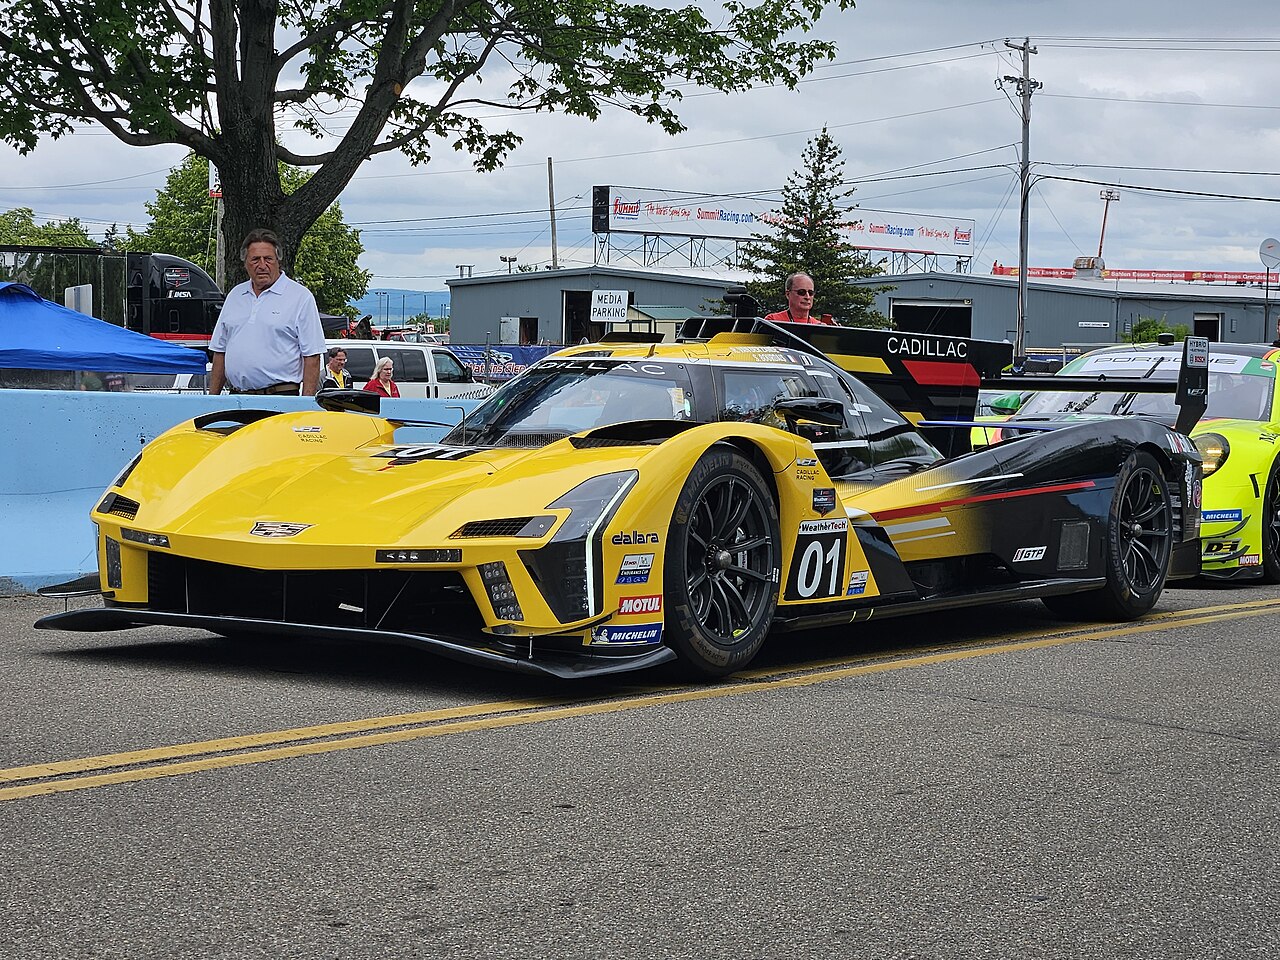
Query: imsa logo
1027,554
640,605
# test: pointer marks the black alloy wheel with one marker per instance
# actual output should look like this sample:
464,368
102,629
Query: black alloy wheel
1271,527
722,565
1139,547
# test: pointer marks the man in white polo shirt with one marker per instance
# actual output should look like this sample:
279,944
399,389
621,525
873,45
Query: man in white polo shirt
268,338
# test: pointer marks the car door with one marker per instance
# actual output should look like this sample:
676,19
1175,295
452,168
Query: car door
411,373
452,378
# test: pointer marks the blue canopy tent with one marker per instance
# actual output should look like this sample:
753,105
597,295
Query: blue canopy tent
37,334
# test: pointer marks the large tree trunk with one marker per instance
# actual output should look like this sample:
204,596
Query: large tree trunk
257,202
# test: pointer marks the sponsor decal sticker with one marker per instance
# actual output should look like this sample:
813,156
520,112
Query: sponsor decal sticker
1251,560
1216,516
635,568
1027,554
1221,546
636,537
309,429
640,634
917,346
806,462
276,529
858,582
629,605
834,525
824,500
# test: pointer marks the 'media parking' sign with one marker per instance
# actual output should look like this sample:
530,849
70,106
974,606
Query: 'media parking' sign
608,306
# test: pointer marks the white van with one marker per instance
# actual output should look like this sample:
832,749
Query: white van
421,369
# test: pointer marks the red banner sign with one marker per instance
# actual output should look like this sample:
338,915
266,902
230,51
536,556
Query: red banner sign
1189,276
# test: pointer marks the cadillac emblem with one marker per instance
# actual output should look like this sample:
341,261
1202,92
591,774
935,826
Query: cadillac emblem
278,528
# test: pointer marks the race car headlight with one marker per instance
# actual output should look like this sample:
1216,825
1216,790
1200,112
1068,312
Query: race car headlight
1214,450
502,595
567,570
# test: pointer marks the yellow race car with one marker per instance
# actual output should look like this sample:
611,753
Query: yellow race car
627,503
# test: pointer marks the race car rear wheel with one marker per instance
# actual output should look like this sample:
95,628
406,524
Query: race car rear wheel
1139,547
1271,527
722,565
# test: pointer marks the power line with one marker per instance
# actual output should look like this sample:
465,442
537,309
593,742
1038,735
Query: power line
1148,189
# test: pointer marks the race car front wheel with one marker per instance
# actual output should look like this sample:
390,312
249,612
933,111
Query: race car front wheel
1139,547
722,565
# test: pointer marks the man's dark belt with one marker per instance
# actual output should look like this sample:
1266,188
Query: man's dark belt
286,388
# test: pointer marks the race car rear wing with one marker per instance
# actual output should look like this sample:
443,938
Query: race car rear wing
1191,389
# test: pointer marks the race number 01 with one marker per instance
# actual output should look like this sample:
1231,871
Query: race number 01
818,570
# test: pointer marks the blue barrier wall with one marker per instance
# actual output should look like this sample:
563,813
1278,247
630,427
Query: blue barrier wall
62,449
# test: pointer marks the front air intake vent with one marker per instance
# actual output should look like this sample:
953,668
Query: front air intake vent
504,527
119,506
1073,545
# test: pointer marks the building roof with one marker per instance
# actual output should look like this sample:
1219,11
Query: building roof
1138,289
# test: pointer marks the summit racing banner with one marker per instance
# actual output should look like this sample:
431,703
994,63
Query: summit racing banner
501,362
677,213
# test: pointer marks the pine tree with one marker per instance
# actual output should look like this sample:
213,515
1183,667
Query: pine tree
806,235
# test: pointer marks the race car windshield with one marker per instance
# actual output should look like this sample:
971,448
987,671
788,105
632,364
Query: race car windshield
1231,396
560,397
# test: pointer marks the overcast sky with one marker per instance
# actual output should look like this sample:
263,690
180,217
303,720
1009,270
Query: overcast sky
1135,93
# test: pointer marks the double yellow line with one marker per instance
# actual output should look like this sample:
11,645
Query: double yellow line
86,773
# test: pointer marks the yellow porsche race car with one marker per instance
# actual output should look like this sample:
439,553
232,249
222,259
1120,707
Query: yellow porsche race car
628,503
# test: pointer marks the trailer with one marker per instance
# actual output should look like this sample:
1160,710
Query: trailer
156,294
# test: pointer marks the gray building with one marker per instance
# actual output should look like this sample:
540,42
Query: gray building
1072,312
553,306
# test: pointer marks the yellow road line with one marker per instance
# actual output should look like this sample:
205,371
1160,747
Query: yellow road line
501,715
155,754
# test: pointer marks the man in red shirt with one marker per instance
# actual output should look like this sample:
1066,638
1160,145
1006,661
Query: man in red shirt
799,292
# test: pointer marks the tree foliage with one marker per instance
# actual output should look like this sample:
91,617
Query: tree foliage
1146,329
233,80
18,226
182,219
805,235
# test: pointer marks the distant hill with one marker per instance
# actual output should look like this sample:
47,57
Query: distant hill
399,305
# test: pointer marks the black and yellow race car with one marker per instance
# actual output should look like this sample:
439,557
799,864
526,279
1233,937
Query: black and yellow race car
627,503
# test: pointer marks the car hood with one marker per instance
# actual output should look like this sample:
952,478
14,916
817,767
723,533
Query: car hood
376,492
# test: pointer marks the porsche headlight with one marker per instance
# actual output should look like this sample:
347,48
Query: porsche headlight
567,569
1214,449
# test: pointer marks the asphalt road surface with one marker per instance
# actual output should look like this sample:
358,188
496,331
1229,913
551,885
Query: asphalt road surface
993,783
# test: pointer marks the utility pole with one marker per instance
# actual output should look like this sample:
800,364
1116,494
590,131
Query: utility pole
551,193
1025,87
220,252
1106,196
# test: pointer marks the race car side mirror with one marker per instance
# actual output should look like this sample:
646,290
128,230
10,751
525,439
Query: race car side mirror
1007,404
741,303
821,410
